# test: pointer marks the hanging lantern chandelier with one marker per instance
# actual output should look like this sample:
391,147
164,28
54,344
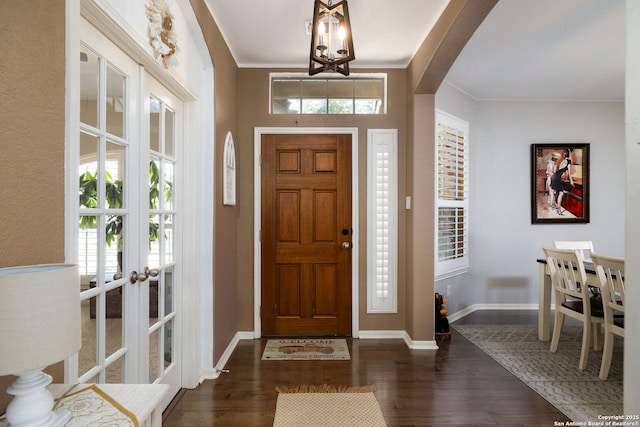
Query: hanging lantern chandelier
331,41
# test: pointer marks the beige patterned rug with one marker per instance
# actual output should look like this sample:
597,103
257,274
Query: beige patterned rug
580,395
327,406
306,349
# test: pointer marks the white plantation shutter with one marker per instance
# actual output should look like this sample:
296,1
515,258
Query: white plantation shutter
452,204
382,224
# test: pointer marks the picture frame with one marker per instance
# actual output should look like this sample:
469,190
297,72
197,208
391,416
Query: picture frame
559,183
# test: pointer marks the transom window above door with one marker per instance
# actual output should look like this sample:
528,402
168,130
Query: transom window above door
302,94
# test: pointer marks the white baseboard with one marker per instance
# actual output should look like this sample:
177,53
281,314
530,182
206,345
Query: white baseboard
370,334
208,374
246,335
419,345
212,374
468,310
398,334
380,335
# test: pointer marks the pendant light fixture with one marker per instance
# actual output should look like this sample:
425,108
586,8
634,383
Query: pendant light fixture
331,41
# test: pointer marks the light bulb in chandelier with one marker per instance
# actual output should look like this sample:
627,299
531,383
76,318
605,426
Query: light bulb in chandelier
321,44
341,35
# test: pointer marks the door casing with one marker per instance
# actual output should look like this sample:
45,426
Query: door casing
257,185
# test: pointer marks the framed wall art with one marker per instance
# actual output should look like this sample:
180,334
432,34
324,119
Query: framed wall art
559,183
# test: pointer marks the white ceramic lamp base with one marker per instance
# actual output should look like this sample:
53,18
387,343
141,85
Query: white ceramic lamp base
32,403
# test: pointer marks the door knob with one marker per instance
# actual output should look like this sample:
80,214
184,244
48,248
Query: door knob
153,272
141,277
346,245
137,277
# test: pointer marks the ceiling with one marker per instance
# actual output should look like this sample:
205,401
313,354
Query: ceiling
525,49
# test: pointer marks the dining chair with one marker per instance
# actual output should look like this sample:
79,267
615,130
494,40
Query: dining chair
584,246
572,297
610,272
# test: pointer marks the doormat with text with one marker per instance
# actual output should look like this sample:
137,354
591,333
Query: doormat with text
306,349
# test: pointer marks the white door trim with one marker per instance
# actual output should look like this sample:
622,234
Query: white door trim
257,136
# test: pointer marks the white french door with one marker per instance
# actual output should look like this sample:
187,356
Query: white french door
162,127
129,144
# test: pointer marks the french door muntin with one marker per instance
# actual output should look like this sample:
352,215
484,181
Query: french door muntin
162,129
127,168
106,186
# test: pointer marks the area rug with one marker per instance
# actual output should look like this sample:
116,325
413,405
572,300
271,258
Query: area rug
580,395
306,349
327,406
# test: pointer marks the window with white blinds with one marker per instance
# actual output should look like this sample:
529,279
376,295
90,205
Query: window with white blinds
382,224
452,204
88,242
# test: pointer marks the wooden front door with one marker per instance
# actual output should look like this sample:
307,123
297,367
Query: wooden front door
306,234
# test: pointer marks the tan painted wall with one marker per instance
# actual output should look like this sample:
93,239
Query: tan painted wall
225,245
420,219
253,98
31,137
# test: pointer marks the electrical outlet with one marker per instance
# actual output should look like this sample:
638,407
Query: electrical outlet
307,26
448,290
407,202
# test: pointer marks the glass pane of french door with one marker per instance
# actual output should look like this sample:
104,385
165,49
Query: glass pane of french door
164,128
106,186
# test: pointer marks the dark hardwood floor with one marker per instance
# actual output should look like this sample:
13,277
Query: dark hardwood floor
455,385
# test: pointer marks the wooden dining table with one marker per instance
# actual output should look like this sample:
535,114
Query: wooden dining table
545,290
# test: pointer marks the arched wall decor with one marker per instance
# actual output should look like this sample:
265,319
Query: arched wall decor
229,172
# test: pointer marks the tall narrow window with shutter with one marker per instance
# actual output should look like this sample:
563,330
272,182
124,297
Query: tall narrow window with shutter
452,204
382,224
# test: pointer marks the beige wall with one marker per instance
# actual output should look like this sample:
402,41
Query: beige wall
420,321
32,139
253,98
225,245
32,124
